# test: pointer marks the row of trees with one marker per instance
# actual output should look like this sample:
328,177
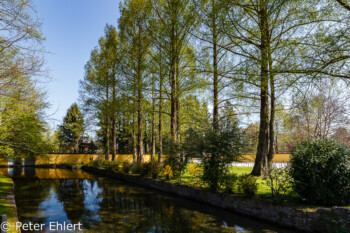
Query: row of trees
22,127
154,75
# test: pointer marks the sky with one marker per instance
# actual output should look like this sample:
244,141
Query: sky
72,29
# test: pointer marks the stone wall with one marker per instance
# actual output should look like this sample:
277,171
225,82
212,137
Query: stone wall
323,220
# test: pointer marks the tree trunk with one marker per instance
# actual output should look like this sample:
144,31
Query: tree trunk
153,126
271,153
178,125
107,124
173,81
215,70
263,140
140,117
134,151
160,154
114,138
114,123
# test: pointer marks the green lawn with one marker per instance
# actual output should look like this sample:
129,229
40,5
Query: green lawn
6,184
263,189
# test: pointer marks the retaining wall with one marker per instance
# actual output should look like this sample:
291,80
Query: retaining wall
323,220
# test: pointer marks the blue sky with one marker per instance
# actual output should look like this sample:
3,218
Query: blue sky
72,29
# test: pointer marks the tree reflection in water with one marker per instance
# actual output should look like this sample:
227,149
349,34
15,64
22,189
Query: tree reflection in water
105,205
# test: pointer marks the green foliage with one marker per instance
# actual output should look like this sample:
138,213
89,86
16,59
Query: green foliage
196,172
247,184
22,127
228,182
150,169
167,172
95,163
112,166
126,167
136,168
279,182
321,172
217,149
72,129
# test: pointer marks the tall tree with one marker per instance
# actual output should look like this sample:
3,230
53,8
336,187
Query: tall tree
175,19
211,13
21,58
264,35
133,30
20,41
111,55
72,128
99,87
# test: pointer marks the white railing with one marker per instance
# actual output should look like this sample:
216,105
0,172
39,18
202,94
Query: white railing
244,164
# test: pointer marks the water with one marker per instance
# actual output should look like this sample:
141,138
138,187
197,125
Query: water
101,204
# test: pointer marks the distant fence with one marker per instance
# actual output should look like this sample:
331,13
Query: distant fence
247,159
251,164
51,159
279,161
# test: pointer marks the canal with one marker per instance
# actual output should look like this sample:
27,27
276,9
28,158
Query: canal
101,204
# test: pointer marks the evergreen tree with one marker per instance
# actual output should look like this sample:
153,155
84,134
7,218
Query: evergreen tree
72,129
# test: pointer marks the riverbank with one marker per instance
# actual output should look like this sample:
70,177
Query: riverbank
7,201
321,220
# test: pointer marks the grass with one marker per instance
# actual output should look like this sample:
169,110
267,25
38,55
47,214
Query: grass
263,189
6,185
291,199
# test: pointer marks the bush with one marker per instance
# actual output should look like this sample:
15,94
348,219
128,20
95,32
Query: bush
321,172
279,182
112,166
167,172
228,183
126,167
195,171
136,168
218,149
95,163
247,185
150,169
155,169
146,169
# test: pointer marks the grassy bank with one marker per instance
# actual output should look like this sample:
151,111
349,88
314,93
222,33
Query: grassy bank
263,189
192,179
261,208
6,205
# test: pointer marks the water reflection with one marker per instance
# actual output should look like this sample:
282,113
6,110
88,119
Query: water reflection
44,173
105,205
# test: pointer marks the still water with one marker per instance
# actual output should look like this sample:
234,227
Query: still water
107,205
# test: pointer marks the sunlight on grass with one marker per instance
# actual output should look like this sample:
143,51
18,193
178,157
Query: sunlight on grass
6,185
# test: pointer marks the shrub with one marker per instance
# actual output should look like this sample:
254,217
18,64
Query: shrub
247,185
126,167
167,172
95,163
195,171
136,168
146,169
219,148
228,182
321,172
279,182
150,169
155,168
112,166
